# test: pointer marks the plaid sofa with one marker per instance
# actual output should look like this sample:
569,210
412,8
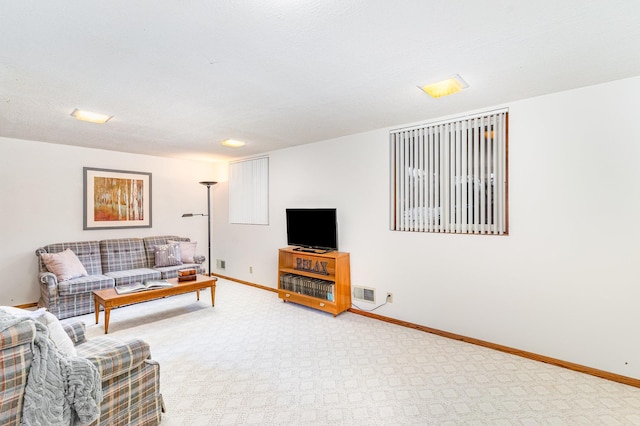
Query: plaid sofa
109,263
130,378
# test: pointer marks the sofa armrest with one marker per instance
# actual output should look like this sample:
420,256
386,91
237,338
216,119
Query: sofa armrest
50,280
18,331
114,357
75,329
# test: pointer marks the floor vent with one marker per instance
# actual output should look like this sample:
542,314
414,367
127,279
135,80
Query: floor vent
364,294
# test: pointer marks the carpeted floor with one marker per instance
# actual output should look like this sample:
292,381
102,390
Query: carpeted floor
253,359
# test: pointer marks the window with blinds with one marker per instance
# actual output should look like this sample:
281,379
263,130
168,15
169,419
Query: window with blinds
451,176
249,191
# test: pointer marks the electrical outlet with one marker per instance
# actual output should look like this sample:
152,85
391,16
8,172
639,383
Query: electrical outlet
251,269
221,264
389,297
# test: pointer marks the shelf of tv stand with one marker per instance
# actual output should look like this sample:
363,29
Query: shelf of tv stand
331,266
307,274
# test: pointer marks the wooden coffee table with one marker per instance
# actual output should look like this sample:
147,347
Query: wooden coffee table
109,298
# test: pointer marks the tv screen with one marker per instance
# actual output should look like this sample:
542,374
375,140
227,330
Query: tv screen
312,228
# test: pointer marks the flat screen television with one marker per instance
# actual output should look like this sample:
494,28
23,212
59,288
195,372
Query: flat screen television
312,228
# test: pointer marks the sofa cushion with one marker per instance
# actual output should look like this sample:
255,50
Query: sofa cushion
64,265
85,284
122,254
88,252
167,255
134,275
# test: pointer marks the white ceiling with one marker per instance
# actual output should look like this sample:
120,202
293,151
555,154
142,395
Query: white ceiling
181,76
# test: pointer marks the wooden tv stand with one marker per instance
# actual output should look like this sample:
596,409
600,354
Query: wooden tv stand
319,280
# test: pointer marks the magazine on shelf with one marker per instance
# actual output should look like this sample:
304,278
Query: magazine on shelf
138,286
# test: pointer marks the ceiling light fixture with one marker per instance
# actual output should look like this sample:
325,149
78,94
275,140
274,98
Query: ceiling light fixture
232,143
91,117
445,87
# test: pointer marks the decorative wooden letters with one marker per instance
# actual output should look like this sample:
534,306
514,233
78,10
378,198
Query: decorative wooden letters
310,265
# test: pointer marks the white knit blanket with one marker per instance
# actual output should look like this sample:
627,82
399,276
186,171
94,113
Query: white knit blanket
60,390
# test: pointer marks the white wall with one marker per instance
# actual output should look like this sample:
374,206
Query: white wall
41,197
563,284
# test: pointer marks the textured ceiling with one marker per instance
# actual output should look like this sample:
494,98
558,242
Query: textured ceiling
181,76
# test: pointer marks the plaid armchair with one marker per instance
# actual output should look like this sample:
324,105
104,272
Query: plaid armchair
130,379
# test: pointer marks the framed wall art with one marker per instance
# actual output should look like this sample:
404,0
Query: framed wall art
115,199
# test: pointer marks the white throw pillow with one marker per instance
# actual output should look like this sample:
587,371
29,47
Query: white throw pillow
58,336
187,250
65,265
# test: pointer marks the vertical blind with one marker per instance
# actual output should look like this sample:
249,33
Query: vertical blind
451,176
249,191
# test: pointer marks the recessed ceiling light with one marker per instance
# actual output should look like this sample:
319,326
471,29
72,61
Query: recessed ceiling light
445,87
232,143
91,116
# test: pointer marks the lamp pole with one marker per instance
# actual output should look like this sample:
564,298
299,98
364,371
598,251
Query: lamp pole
208,184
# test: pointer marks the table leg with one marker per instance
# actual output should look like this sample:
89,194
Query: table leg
198,294
107,311
213,295
96,306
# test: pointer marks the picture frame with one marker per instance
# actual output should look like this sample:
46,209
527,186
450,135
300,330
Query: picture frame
116,199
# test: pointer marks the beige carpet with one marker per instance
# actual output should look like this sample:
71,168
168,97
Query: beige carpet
253,359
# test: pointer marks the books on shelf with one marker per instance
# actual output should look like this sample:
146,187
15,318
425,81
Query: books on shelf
138,286
314,287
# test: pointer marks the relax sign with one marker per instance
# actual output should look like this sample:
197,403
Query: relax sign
311,265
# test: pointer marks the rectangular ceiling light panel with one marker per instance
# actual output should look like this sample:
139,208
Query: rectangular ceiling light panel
91,117
445,87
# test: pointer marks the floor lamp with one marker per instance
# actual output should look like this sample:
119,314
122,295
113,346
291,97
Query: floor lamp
208,184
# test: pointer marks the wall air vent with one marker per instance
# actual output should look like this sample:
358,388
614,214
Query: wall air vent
364,294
